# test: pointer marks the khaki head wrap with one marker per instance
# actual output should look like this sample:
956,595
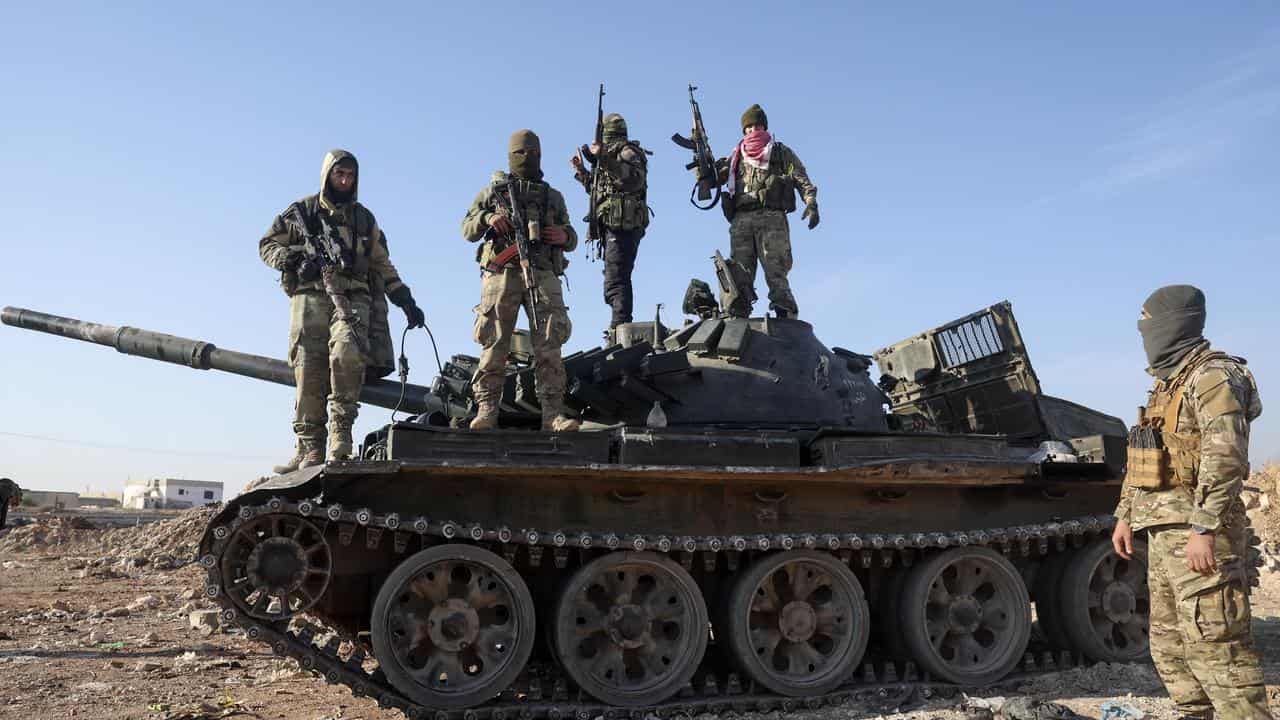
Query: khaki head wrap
524,155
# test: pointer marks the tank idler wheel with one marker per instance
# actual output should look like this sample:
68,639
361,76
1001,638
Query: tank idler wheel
630,628
798,622
1104,607
966,616
1048,595
276,566
452,626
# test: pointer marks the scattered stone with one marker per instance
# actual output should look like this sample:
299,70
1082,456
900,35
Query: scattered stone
93,638
190,594
147,666
60,605
145,602
116,612
117,664
150,638
205,621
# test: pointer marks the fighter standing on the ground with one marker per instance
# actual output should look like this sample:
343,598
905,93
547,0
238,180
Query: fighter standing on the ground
621,209
335,268
763,177
503,290
10,494
1188,460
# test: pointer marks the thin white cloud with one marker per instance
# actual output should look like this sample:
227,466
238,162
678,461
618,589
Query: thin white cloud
1191,129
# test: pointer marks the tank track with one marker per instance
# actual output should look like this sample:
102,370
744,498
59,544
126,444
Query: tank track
544,692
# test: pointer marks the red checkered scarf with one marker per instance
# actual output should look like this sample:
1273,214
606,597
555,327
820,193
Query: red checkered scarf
755,149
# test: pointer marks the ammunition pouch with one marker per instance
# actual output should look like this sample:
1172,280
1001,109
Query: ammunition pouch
1148,469
728,206
624,211
779,193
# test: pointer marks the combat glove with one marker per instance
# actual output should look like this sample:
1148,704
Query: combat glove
811,214
404,300
292,261
309,269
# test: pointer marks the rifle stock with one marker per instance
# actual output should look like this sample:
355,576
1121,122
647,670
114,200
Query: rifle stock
521,230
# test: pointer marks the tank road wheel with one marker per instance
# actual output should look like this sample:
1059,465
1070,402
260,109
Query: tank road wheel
1103,603
966,616
452,626
276,566
798,622
630,628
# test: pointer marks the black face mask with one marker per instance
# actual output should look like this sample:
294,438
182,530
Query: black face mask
1174,328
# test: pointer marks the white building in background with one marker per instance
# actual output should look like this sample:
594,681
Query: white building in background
159,493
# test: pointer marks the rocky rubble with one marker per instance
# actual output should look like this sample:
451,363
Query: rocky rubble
1262,502
161,545
47,532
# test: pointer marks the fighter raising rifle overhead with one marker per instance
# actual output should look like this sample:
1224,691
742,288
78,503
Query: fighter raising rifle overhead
619,215
707,186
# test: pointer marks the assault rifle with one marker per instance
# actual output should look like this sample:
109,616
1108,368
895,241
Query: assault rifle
584,152
324,254
704,161
525,234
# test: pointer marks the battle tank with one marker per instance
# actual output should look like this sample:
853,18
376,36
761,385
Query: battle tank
750,522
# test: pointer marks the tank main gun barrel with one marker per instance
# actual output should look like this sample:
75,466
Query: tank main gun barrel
207,356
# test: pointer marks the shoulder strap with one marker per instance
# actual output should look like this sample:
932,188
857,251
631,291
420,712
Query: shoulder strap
1180,385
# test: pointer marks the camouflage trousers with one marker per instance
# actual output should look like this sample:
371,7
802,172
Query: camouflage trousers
1200,638
328,364
502,294
762,235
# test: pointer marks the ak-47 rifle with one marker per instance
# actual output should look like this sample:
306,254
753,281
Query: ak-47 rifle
584,152
704,161
323,254
525,233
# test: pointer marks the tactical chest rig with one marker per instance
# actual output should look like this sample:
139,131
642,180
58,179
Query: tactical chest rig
503,248
625,203
1162,455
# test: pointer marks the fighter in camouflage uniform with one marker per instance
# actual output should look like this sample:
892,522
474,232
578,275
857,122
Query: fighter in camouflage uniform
622,210
502,288
330,353
1184,490
763,176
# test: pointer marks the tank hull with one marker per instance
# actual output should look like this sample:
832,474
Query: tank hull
554,507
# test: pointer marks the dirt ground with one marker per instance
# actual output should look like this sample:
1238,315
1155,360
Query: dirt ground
99,624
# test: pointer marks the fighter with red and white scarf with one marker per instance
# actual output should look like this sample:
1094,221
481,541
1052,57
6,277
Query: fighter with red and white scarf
763,177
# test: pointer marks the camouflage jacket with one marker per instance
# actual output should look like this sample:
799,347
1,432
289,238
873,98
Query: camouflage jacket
623,203
352,225
1219,402
537,200
774,186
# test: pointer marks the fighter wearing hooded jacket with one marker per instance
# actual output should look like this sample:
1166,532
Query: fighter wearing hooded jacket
502,288
1185,472
333,306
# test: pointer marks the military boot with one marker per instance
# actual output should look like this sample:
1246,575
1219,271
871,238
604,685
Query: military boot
553,417
308,454
339,445
486,416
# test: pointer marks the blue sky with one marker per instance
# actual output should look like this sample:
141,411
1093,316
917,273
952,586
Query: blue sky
1069,158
